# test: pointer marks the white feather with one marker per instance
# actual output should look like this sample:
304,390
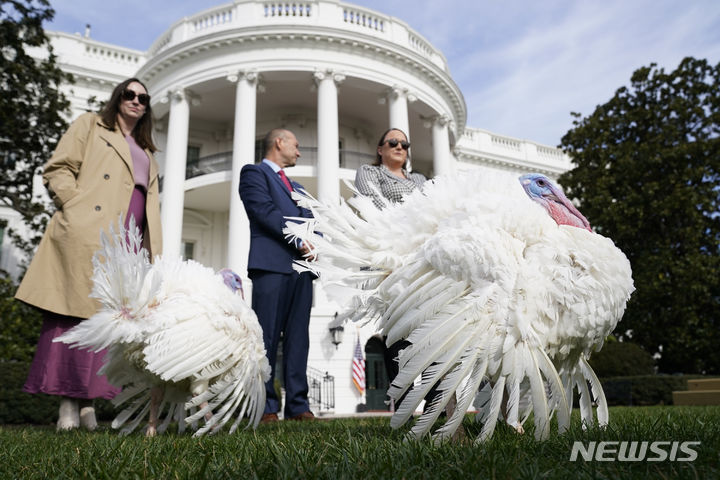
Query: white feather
474,274
175,325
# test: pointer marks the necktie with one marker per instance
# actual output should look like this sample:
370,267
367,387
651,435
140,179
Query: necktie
285,180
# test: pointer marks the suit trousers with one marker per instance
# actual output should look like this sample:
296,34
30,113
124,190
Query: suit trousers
282,302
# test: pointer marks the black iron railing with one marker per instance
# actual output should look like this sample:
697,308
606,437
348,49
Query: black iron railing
220,162
321,389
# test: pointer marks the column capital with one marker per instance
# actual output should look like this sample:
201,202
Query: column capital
336,77
251,76
395,92
181,93
441,120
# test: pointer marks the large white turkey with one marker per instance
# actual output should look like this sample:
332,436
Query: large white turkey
485,282
179,338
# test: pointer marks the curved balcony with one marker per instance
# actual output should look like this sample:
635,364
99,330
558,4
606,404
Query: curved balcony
283,44
478,146
333,15
221,162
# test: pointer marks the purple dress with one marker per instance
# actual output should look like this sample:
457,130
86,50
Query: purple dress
57,369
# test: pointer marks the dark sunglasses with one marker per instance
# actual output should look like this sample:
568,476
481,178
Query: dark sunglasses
393,142
129,95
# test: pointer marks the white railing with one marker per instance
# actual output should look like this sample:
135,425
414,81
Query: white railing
321,14
363,19
550,153
111,54
420,46
505,142
160,44
212,19
476,144
287,9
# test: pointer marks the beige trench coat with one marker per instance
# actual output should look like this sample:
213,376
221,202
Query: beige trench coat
90,179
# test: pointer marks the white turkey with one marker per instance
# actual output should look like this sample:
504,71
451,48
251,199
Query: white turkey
485,282
181,342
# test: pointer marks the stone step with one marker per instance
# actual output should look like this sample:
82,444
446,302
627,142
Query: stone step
704,384
697,397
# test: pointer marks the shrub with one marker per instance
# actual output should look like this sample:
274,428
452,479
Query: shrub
644,389
19,325
18,407
621,359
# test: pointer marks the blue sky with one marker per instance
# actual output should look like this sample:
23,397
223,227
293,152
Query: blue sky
522,65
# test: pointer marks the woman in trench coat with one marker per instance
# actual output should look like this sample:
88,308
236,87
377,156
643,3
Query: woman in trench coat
102,170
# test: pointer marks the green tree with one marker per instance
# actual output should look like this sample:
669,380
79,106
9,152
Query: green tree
31,123
31,110
648,176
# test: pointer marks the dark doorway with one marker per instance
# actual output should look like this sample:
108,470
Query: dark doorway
376,379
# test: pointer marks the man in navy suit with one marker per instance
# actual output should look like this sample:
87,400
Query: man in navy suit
281,297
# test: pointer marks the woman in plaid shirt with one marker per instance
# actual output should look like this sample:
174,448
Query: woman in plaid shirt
387,181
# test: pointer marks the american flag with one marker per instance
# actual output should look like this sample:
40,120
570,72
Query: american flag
358,368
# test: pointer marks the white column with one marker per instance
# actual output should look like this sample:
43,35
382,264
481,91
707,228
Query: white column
328,162
398,100
442,162
243,154
173,195
398,109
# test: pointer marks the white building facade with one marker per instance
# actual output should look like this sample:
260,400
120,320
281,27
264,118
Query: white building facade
335,74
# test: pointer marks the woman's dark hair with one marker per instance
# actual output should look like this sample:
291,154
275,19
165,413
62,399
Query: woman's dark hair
381,142
142,133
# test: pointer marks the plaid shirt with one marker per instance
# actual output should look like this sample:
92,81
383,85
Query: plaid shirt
378,183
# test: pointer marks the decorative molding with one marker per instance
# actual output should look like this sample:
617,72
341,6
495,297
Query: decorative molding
437,77
181,93
430,121
250,75
504,163
397,91
441,120
336,77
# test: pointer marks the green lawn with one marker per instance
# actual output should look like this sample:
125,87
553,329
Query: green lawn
364,449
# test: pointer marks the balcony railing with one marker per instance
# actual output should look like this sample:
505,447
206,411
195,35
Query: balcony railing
221,162
331,16
476,143
321,390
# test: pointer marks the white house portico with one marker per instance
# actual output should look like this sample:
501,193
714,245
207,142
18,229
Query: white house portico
335,74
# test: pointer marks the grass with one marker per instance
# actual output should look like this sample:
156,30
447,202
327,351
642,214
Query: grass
360,448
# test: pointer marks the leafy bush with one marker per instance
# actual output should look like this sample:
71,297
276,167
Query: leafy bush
19,325
644,389
627,375
618,359
18,407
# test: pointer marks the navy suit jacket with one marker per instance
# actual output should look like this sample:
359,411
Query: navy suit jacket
267,202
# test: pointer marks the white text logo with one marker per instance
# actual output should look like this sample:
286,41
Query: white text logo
626,451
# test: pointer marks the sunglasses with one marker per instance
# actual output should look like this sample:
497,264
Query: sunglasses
393,142
129,95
